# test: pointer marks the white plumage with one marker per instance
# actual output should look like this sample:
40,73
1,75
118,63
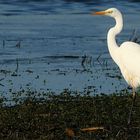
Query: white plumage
127,55
130,63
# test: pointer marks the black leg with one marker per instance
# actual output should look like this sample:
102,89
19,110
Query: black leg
131,109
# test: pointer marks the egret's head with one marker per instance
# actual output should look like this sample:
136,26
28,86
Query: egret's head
112,12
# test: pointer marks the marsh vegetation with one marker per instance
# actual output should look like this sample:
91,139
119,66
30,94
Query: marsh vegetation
63,116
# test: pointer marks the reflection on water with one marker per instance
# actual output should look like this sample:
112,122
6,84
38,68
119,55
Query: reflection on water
51,45
22,7
134,0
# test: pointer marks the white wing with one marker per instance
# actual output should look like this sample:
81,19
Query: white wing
130,62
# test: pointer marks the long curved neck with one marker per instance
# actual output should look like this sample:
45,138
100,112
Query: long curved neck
111,40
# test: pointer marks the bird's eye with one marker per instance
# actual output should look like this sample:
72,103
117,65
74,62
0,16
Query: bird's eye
110,12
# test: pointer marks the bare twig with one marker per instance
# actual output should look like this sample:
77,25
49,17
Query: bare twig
92,129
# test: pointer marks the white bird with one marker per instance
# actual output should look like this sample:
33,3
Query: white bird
126,56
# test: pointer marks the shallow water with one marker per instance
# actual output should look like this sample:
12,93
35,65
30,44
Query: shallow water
51,45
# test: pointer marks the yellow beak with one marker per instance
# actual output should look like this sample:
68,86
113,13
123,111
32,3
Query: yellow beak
99,13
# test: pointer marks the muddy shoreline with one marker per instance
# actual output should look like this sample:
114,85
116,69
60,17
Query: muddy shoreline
58,116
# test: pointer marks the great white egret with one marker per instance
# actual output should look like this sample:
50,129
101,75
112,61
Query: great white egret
126,56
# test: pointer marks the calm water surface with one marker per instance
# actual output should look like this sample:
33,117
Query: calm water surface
52,45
